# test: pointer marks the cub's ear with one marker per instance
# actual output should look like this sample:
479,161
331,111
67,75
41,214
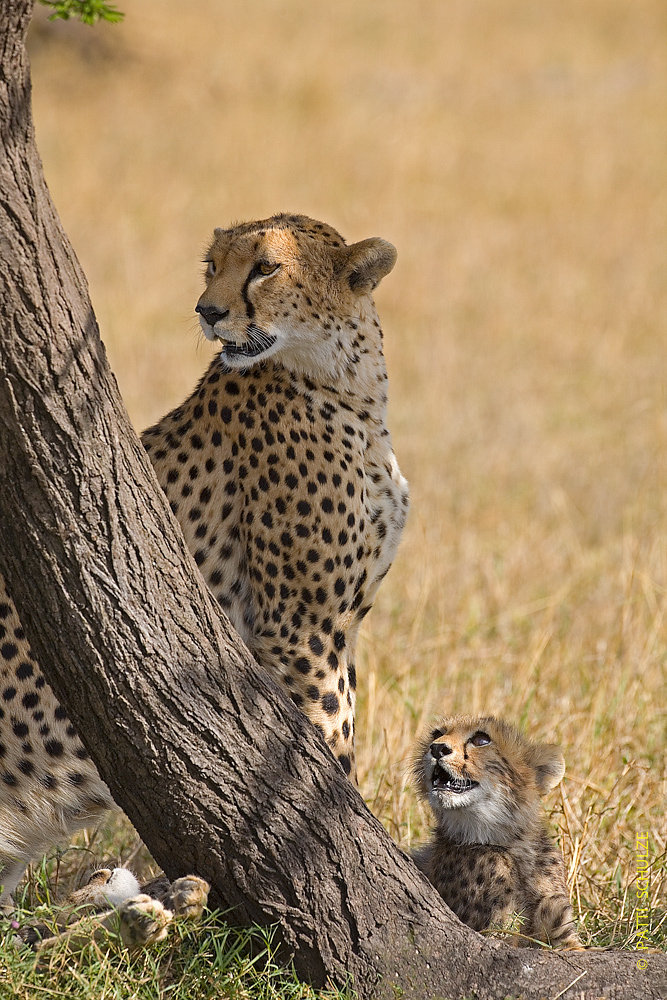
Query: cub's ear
548,762
363,265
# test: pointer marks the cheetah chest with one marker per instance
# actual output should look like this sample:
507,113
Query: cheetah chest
293,504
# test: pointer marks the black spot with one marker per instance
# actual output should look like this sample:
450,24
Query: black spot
20,729
54,748
346,730
302,665
9,694
8,650
330,703
345,762
352,676
24,670
313,692
315,644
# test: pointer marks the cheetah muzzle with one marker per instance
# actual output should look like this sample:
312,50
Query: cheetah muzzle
443,780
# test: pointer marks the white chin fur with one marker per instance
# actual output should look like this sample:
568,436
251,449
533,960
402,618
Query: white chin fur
441,799
474,817
121,885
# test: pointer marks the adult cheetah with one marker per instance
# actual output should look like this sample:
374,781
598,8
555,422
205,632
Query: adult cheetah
280,470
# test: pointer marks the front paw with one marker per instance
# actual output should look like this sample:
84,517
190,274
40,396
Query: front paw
188,896
143,921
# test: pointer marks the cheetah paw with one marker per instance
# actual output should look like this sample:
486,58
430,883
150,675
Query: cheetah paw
188,897
143,921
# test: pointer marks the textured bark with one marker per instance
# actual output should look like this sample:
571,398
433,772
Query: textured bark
217,769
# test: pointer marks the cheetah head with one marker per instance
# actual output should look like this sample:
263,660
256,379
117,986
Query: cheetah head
483,779
290,288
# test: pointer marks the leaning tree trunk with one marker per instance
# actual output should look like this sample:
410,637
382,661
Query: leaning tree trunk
217,769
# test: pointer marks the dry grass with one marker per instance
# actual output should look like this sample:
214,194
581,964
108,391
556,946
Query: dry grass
514,153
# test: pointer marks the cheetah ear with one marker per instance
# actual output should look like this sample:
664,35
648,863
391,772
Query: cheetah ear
363,265
549,765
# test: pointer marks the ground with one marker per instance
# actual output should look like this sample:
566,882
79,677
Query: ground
514,155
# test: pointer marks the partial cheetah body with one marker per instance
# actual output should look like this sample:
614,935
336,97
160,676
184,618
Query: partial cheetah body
112,901
491,857
280,470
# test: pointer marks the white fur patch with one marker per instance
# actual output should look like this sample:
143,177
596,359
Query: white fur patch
122,885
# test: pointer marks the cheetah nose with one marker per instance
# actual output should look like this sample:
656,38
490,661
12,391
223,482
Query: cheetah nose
212,314
439,750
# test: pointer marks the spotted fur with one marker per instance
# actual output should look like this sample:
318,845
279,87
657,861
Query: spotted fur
280,470
491,857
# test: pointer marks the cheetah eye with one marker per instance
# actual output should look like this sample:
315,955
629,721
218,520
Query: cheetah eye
480,739
263,268
210,267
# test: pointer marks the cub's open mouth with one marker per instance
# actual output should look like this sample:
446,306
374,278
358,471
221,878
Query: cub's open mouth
445,782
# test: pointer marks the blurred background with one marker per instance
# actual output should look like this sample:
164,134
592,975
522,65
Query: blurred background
515,154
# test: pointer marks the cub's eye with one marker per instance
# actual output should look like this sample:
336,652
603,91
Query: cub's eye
480,740
210,268
264,267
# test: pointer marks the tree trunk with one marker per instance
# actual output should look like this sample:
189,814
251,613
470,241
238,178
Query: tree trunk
217,769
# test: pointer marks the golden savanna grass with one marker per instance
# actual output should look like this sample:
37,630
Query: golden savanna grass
515,155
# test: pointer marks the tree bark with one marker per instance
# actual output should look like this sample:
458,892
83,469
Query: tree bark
217,769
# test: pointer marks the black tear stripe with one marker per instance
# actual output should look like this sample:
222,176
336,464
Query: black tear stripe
249,307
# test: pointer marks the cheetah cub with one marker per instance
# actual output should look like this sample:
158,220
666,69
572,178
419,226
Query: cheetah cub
491,856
